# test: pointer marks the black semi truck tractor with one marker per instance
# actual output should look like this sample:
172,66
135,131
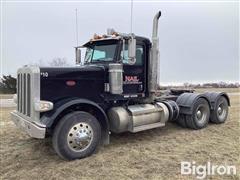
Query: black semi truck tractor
113,91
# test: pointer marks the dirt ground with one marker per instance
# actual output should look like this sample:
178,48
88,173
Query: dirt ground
153,154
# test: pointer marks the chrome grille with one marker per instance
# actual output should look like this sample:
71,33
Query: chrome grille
28,92
24,93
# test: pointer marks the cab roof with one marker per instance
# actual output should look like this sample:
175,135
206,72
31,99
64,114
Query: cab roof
98,38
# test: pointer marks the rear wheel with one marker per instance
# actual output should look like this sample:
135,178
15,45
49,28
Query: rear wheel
182,120
76,136
199,118
220,113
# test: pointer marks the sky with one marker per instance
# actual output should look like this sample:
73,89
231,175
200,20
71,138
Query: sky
199,42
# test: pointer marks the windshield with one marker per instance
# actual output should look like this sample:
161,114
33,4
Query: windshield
100,53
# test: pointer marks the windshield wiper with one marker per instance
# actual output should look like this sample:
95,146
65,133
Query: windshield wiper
102,60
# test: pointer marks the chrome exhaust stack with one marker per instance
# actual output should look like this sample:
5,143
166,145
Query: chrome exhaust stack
153,77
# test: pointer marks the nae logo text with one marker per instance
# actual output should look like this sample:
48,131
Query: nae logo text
131,80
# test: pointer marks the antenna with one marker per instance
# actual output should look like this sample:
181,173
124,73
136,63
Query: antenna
131,15
77,27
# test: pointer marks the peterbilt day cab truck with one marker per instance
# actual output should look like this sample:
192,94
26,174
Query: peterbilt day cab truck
114,91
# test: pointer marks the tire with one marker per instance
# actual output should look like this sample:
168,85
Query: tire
220,113
76,136
199,118
181,120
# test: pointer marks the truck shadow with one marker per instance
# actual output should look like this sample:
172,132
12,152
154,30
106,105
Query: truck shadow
43,147
164,132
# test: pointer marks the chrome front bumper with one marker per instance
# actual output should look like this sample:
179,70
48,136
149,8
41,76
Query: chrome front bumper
34,130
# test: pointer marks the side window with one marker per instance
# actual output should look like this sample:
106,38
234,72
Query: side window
139,55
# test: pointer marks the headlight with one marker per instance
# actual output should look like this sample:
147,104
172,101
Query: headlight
43,106
15,98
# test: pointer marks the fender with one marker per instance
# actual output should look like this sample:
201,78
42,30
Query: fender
50,117
186,100
213,97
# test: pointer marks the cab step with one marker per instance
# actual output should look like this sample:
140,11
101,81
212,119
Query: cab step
147,126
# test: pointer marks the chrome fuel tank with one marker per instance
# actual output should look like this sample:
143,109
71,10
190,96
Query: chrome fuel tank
139,117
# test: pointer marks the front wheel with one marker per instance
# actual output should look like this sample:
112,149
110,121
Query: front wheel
76,136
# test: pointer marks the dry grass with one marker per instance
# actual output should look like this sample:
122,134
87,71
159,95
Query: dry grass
6,96
153,154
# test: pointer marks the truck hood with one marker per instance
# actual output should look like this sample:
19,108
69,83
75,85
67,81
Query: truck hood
86,72
86,82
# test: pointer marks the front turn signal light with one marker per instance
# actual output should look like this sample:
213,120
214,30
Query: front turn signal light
43,106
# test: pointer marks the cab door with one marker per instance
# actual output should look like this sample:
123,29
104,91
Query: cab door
134,76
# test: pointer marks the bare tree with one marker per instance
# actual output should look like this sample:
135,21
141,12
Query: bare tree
186,84
55,62
59,62
40,62
8,84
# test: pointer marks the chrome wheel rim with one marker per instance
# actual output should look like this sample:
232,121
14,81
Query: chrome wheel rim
222,111
201,114
80,137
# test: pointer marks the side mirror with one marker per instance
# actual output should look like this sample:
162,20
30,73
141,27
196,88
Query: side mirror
132,51
132,48
78,55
